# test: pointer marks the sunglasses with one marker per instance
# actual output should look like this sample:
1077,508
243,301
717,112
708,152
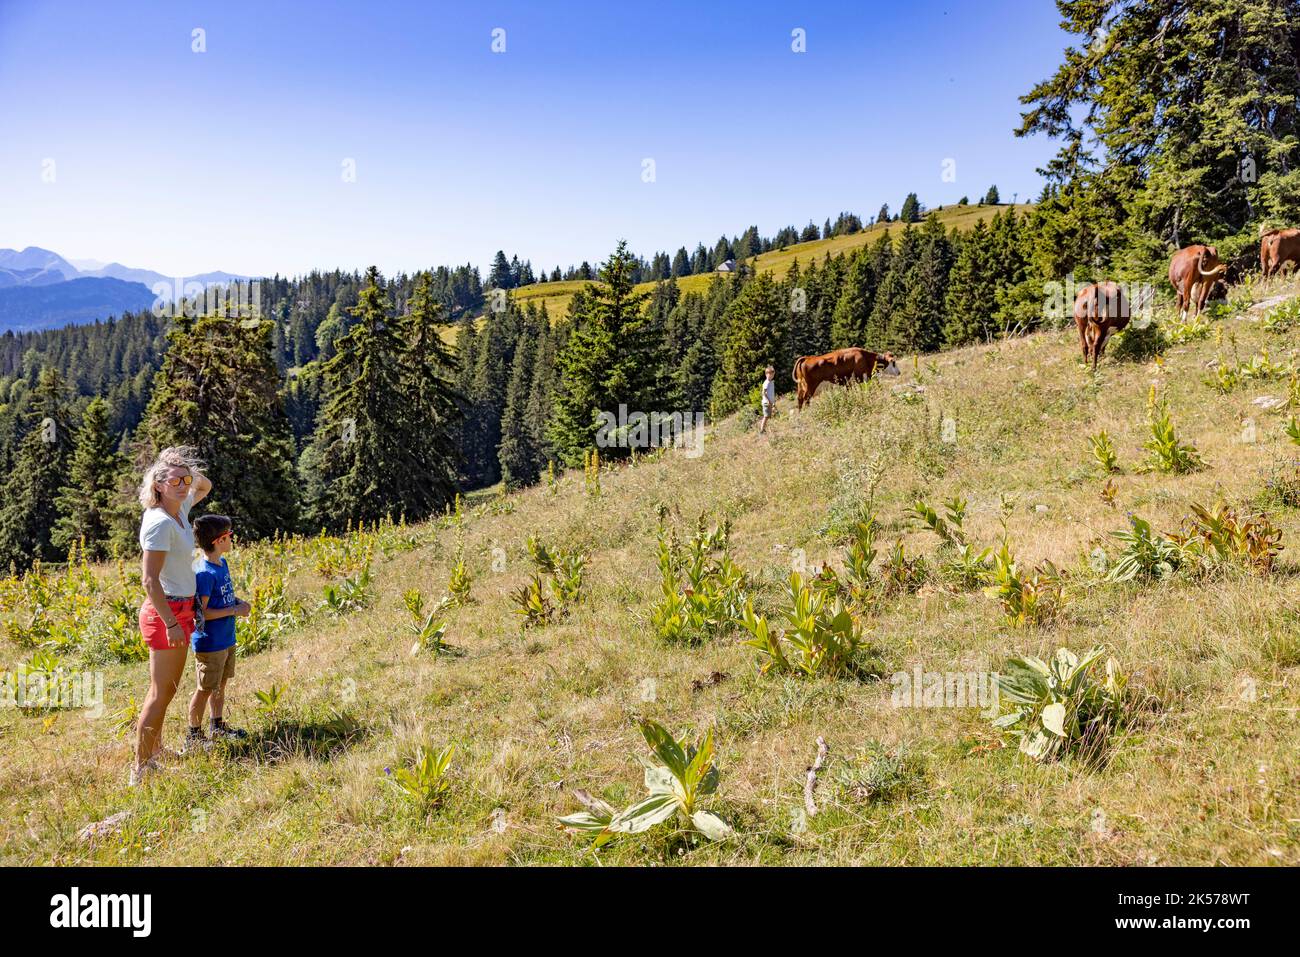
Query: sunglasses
178,481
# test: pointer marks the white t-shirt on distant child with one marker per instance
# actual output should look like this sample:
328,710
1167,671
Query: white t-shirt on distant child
159,532
769,393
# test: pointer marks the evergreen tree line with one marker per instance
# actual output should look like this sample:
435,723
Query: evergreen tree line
706,259
384,440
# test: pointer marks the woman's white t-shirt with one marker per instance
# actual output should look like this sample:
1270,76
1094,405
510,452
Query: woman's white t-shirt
159,532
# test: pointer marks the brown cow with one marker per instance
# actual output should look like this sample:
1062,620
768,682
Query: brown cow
1277,248
1099,309
842,365
1193,272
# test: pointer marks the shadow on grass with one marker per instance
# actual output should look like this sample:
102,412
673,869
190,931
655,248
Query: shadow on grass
316,738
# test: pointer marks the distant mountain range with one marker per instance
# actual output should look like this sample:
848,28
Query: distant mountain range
40,289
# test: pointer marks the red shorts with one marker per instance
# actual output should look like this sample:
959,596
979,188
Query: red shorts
154,630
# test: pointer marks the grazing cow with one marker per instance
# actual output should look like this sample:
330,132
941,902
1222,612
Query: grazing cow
1277,248
1193,272
842,365
1099,309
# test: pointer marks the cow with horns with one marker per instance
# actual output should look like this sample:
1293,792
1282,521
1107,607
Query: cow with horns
1193,272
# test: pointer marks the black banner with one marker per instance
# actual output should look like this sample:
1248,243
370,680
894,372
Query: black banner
307,905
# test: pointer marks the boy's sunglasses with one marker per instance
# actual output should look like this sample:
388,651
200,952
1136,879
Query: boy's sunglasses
179,480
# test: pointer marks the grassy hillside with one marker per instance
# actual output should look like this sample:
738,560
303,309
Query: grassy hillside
557,295
1205,771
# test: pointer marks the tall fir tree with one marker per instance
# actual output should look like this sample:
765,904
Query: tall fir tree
612,357
887,313
756,331
89,505
518,453
805,317
849,323
428,370
371,450
28,497
219,390
499,275
541,391
972,292
920,324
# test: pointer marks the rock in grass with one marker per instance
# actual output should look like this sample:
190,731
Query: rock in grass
110,825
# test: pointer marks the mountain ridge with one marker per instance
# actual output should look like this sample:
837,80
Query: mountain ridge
98,297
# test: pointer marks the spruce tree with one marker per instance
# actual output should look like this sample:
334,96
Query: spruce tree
499,275
852,311
612,357
972,292
756,329
1177,124
28,506
219,390
518,454
541,391
884,326
923,315
804,329
368,450
428,370
88,504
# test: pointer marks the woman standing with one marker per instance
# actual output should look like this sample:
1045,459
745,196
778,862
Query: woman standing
171,487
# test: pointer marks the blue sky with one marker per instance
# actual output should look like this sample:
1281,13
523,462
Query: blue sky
233,158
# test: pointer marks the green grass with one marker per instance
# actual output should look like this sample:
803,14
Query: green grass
1206,774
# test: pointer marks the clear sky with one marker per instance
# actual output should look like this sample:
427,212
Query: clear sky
234,158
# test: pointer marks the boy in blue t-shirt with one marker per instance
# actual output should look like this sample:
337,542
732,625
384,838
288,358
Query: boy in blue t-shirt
214,639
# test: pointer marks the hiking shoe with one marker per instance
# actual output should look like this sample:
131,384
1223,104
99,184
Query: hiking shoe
141,772
195,741
227,733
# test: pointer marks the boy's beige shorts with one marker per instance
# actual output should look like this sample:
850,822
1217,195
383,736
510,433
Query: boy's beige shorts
215,667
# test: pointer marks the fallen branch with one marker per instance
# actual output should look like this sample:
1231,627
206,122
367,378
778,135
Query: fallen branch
811,781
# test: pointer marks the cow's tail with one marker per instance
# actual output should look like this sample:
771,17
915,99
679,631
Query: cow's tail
798,368
1093,313
1267,246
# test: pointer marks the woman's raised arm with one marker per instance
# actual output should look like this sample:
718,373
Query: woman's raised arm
202,486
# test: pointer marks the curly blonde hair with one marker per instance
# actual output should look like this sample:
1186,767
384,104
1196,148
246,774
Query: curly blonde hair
177,456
